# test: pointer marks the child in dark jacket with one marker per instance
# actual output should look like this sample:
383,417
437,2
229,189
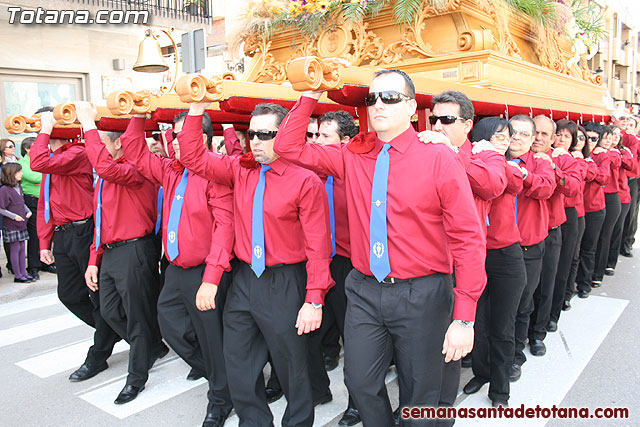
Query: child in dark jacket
14,224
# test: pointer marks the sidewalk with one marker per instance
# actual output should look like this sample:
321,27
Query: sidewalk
10,291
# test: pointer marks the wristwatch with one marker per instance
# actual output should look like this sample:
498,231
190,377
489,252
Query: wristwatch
315,305
466,323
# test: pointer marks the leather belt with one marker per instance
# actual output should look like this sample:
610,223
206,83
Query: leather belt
124,242
72,224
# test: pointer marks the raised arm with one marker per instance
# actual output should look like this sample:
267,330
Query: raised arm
231,141
150,165
291,143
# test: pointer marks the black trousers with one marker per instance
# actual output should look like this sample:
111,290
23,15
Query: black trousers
543,295
406,320
616,236
494,330
592,226
33,245
208,330
604,241
571,288
71,251
565,260
259,318
129,283
533,256
331,340
631,221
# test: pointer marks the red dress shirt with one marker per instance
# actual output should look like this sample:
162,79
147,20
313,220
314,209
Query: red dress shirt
125,194
533,210
487,176
205,232
343,246
296,213
628,164
432,222
594,190
503,229
71,187
586,174
614,171
632,143
232,142
567,168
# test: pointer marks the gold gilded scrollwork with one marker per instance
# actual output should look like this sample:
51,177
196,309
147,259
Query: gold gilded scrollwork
196,88
500,16
124,102
267,69
313,73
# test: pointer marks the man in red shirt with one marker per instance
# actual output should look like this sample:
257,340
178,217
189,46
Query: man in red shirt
532,213
198,277
65,215
281,221
411,218
123,251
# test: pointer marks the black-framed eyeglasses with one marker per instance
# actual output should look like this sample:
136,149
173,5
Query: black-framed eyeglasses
593,139
445,120
313,134
263,135
386,96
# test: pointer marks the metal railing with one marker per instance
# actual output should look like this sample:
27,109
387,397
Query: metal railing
186,10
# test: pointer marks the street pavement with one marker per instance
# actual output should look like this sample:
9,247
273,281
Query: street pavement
590,362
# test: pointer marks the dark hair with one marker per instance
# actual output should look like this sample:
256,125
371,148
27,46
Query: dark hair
524,118
207,127
619,145
26,143
346,124
585,147
571,127
8,175
112,135
456,97
485,128
3,145
266,108
408,83
44,109
594,127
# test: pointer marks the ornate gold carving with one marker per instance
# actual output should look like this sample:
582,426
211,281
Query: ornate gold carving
65,114
125,102
196,88
267,68
500,16
474,40
313,73
470,70
17,123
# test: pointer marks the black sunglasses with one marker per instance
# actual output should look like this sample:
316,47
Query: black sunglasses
174,134
156,136
313,134
386,96
263,135
593,139
445,120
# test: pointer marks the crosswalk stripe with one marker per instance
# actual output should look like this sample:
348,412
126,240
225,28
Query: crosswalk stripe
166,381
62,359
38,328
23,305
546,380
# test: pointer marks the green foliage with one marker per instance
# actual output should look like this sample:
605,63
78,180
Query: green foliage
589,19
541,11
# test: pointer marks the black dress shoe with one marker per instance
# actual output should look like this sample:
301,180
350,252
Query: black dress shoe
583,294
49,268
33,272
160,352
566,305
350,417
515,372
128,393
499,402
85,372
609,272
273,394
18,280
626,253
195,375
330,363
537,347
596,283
474,385
328,397
467,361
552,326
214,419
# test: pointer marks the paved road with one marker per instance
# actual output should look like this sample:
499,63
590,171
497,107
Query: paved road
590,362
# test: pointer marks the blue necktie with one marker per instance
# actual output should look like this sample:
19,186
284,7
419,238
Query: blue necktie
99,213
174,218
379,254
328,186
517,162
47,206
257,225
159,212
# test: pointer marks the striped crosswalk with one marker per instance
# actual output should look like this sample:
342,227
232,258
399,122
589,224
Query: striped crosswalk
26,325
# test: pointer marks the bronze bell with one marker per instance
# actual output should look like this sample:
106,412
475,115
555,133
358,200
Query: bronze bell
150,58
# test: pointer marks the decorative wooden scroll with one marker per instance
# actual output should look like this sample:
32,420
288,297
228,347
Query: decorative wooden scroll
65,114
198,88
124,102
17,123
313,73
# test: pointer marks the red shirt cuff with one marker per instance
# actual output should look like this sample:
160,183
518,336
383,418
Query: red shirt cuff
212,274
464,307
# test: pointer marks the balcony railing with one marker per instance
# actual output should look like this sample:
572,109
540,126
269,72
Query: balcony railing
187,10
